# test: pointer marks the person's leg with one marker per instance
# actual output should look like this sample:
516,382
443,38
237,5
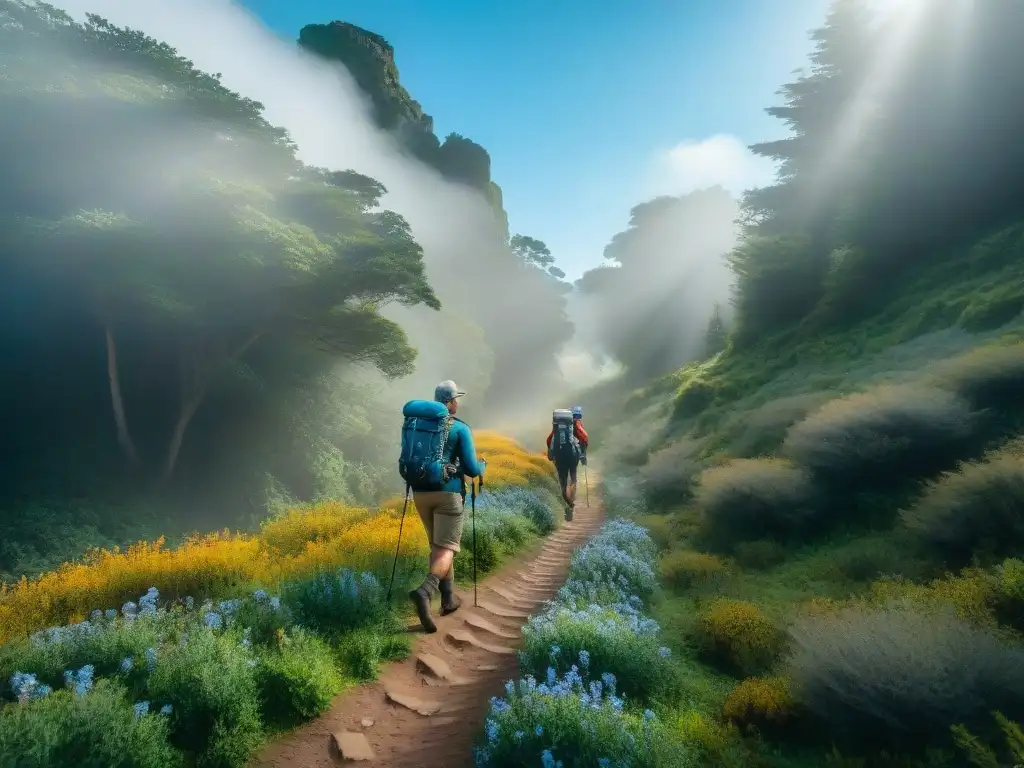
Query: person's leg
448,525
440,562
563,480
571,488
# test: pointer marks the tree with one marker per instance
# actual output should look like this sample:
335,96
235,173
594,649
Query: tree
532,251
556,272
715,336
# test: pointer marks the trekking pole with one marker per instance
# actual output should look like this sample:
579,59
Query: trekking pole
401,525
586,484
472,501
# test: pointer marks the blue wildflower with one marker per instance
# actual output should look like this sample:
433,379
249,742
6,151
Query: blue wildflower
648,715
664,652
213,620
492,730
539,730
547,760
151,659
127,664
166,709
141,709
110,613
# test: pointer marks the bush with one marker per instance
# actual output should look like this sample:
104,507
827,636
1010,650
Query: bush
882,438
337,602
901,678
762,702
289,533
212,688
569,722
600,560
298,681
759,555
715,742
97,730
736,635
361,651
976,511
755,498
761,431
990,377
668,477
663,530
684,569
614,642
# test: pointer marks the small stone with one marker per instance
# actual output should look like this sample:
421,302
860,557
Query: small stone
366,722
354,747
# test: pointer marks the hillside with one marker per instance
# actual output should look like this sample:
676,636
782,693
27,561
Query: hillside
837,493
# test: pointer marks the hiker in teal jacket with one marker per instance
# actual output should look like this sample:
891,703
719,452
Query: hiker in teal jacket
442,511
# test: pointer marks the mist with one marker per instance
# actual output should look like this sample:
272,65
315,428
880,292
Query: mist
646,311
485,290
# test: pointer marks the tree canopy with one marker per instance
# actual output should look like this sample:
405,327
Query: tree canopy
175,273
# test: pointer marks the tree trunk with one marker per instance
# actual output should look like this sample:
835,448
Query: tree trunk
124,437
196,365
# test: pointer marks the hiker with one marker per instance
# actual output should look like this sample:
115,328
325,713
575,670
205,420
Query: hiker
567,443
437,456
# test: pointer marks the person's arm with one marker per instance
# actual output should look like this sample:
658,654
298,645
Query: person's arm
471,465
581,434
551,436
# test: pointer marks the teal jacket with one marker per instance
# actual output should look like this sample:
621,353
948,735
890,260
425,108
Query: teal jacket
460,446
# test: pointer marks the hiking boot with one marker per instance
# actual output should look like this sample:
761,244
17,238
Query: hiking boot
450,602
421,602
568,513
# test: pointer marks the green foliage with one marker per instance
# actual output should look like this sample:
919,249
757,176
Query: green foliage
975,512
299,681
613,644
738,636
333,603
202,313
531,250
669,476
754,499
901,678
97,730
980,755
214,692
882,438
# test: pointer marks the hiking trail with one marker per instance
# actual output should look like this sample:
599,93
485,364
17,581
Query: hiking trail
428,710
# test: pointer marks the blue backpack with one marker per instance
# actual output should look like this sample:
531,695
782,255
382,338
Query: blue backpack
424,438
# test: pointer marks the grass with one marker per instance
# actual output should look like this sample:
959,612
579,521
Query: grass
235,636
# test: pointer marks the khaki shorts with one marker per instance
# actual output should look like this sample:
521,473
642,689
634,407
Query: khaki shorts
441,513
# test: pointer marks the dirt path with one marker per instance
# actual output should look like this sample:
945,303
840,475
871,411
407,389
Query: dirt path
428,710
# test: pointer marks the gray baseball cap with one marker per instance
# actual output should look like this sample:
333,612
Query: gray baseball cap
447,391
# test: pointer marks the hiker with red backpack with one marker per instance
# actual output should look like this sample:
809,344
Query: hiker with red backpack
567,448
437,456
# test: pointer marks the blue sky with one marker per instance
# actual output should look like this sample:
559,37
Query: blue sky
579,103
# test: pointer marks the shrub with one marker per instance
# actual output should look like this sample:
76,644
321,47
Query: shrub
714,741
212,688
761,431
684,569
975,511
298,681
289,533
758,555
337,602
97,730
990,377
361,651
762,702
614,642
882,438
755,498
670,474
662,529
738,636
600,560
901,678
982,756
487,552
576,724
969,595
